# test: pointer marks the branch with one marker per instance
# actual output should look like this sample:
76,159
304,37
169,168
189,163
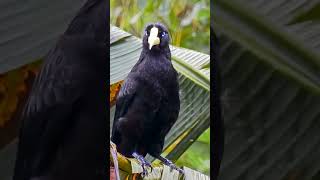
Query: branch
130,169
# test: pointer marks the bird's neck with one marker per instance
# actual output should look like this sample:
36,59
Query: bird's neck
160,53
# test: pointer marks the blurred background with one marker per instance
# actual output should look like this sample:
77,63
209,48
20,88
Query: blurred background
188,22
27,32
270,69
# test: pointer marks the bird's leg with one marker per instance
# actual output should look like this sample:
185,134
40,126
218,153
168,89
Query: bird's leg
144,163
170,164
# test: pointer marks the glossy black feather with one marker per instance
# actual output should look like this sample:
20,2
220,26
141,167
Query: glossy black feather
63,131
148,103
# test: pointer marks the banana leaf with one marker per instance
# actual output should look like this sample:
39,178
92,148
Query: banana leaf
270,66
194,83
27,32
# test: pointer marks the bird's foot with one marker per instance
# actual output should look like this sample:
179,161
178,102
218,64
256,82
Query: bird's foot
144,163
170,164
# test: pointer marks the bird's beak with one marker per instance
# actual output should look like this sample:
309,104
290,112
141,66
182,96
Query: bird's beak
153,39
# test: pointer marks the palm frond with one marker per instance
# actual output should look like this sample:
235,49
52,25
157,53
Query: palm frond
270,68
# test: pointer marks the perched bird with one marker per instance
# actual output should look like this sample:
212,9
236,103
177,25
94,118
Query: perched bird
148,103
64,130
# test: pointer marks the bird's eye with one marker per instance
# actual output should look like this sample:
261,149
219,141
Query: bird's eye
146,33
163,34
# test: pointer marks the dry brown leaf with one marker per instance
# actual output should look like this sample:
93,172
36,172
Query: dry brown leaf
114,90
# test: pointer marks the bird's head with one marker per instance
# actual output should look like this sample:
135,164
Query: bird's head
156,37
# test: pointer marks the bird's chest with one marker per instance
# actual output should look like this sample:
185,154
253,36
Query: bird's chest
159,71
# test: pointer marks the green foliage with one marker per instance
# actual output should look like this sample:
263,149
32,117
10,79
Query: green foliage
188,21
270,59
312,14
198,154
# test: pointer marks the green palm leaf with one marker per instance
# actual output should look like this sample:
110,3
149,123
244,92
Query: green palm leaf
271,76
274,43
194,86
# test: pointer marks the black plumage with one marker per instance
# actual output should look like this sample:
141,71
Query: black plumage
218,125
64,128
148,103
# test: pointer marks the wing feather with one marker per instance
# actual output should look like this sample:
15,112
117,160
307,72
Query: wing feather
65,75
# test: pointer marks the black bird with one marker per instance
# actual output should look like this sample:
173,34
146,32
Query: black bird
148,103
64,128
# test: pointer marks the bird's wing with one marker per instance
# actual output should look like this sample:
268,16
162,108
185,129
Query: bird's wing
65,76
124,99
126,94
134,91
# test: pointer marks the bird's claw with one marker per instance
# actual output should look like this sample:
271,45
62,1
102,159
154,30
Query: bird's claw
145,164
172,165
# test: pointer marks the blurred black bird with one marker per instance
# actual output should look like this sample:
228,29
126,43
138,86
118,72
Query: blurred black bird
64,128
148,103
